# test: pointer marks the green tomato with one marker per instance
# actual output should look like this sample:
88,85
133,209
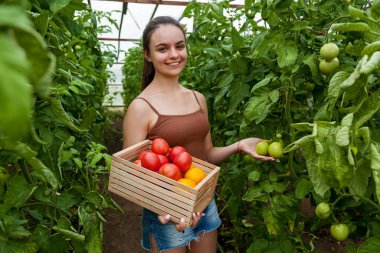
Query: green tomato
262,148
309,86
329,51
275,150
326,67
323,210
339,231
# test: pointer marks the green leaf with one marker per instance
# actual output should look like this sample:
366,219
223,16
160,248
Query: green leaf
8,18
354,75
342,137
253,193
226,80
375,166
303,187
271,221
15,92
370,245
238,91
311,60
258,246
371,65
19,191
57,5
371,48
287,54
60,113
369,107
351,27
334,84
262,83
254,176
359,182
237,40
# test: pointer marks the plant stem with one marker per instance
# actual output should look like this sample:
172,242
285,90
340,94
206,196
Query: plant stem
289,94
21,165
354,195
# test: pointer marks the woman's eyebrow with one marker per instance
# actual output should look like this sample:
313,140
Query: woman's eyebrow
164,44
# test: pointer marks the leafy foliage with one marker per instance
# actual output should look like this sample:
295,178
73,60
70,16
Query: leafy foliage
258,67
52,88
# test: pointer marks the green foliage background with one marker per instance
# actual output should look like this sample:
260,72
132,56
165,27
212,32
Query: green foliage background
262,79
53,82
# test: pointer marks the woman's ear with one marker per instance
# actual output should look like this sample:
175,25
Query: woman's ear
147,57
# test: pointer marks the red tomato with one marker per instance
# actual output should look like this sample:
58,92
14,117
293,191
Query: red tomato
141,155
175,151
170,170
150,161
137,162
160,146
183,160
163,159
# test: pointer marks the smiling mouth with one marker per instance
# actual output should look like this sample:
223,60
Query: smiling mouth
173,63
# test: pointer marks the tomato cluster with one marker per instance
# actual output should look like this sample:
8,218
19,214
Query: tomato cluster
329,58
273,149
173,162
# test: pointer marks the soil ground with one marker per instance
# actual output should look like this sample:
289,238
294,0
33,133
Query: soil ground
122,231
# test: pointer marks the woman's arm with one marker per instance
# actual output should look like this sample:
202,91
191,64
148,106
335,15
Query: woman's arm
216,155
136,123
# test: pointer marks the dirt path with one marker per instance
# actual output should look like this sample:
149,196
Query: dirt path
122,231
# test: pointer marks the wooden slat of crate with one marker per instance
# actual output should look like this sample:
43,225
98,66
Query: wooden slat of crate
148,195
159,179
142,183
149,205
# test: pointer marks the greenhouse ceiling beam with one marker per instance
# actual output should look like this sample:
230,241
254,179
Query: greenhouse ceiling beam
164,2
118,39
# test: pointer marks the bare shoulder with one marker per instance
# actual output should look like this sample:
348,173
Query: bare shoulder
138,106
200,97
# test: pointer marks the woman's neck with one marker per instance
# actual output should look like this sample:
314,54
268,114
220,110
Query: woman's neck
165,83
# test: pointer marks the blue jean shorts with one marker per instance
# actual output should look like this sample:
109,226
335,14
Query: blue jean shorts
166,235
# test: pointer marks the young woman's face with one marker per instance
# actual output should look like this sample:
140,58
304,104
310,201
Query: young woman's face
167,50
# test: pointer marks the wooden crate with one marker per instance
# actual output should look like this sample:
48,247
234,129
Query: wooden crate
156,192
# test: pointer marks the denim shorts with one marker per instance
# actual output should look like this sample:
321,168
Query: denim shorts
166,235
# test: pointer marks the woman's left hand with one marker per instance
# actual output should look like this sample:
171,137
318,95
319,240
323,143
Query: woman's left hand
249,146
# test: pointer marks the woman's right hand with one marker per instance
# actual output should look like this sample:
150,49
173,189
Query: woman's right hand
181,226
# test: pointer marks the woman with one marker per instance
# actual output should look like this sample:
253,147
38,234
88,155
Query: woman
168,110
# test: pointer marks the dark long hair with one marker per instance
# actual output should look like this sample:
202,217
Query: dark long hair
148,69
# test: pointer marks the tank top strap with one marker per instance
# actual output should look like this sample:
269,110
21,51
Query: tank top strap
150,105
197,101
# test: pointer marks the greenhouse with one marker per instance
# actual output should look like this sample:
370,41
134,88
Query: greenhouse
131,126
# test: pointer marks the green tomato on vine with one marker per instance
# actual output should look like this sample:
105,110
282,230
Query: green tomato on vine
323,210
339,231
329,51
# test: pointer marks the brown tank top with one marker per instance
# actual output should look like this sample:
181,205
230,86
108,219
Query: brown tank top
187,130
